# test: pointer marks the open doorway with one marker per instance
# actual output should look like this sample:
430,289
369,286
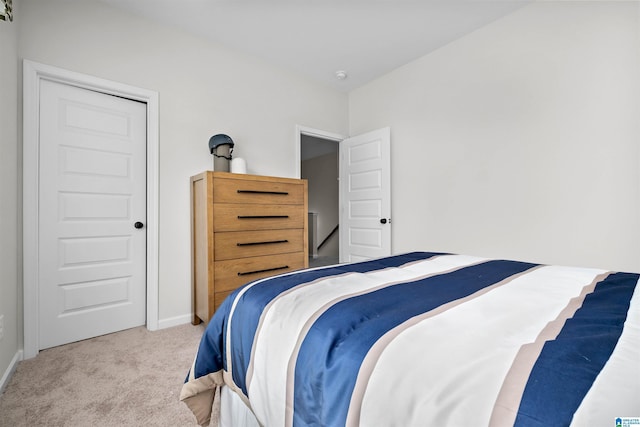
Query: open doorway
363,181
319,165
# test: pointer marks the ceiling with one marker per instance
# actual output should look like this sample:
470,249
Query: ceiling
364,38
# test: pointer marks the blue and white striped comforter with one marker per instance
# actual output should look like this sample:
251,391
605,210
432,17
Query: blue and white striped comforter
425,339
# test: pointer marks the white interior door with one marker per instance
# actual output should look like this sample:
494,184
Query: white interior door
365,193
92,190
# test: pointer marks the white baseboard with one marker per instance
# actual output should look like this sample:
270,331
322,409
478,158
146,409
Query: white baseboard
174,321
10,370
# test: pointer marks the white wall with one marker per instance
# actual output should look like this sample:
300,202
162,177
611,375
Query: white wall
10,223
204,89
520,140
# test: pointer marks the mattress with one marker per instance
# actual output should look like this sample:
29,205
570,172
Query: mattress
426,338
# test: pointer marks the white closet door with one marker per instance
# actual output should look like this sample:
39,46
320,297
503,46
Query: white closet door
92,191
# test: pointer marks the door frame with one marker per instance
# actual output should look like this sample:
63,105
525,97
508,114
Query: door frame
317,133
33,73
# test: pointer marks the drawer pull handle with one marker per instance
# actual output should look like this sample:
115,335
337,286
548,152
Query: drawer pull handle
284,267
262,243
261,216
282,193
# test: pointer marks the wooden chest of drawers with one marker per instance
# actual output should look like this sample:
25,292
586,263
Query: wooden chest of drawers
244,227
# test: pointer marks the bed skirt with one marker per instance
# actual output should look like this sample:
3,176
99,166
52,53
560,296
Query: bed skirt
233,411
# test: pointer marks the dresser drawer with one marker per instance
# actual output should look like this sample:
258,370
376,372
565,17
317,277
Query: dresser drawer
243,244
227,190
240,217
236,272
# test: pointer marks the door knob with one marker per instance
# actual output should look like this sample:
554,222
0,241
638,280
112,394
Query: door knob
138,225
383,221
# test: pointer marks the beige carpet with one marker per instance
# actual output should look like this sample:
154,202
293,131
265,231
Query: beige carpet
130,378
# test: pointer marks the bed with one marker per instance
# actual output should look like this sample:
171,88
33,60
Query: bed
424,339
